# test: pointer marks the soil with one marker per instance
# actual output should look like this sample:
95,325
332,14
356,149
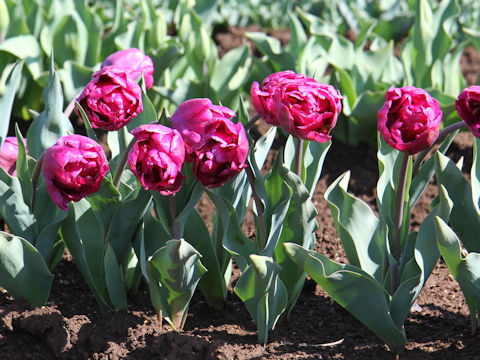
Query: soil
71,325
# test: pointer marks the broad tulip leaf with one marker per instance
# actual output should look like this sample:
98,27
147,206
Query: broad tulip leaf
263,293
354,290
125,222
13,209
357,227
271,47
235,242
313,159
25,47
6,100
23,271
419,268
277,202
230,74
105,202
466,270
464,218
23,173
475,175
179,270
114,280
82,233
52,122
298,37
299,227
424,175
212,284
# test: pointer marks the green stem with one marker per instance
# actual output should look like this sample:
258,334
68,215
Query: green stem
259,205
123,162
441,136
35,176
172,206
299,157
252,121
398,221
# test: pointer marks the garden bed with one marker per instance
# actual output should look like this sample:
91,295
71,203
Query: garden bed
71,325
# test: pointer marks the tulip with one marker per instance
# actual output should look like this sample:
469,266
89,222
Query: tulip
157,158
302,106
134,62
468,108
9,154
111,99
409,120
221,153
193,116
73,168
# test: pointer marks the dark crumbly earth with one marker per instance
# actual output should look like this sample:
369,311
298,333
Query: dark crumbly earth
71,326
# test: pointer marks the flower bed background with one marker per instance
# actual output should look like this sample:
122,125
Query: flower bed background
80,331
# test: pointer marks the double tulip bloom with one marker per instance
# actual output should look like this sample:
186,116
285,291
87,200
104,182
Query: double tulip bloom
157,158
302,106
73,168
9,155
468,108
217,147
409,120
113,98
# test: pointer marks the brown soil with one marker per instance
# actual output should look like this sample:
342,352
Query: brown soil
71,326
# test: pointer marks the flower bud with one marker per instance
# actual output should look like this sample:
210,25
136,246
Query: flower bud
302,106
468,108
157,158
134,62
111,99
9,155
73,168
409,120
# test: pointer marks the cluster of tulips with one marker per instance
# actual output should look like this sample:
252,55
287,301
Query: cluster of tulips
207,137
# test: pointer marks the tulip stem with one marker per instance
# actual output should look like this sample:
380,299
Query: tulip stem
172,207
121,165
398,221
259,205
252,121
299,157
35,176
441,136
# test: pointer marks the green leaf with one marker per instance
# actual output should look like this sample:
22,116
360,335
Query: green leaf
423,177
125,222
52,122
179,270
278,195
271,47
230,74
6,100
465,270
357,227
105,202
23,271
88,126
419,268
23,173
354,290
263,293
465,219
25,47
13,209
475,175
83,235
299,227
212,284
114,280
